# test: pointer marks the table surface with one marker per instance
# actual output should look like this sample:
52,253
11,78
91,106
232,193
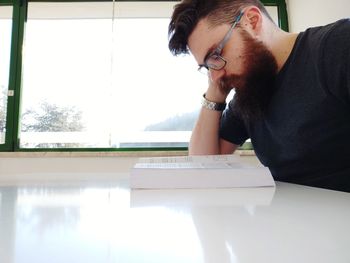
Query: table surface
97,218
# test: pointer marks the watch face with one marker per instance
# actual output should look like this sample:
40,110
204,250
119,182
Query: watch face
212,105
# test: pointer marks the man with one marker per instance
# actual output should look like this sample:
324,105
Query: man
292,91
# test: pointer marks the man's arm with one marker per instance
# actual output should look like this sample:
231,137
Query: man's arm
205,135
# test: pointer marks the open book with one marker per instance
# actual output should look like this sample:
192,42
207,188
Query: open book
209,171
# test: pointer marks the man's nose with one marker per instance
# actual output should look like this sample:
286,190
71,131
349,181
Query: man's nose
215,75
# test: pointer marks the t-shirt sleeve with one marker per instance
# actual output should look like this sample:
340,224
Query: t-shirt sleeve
336,60
232,128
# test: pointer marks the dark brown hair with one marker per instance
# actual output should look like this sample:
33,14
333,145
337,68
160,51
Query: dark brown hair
187,14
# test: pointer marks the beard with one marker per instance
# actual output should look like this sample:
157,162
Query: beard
255,86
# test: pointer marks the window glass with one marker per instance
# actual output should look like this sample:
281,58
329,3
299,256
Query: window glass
101,75
5,51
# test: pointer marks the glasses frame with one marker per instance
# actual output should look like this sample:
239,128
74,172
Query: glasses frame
205,67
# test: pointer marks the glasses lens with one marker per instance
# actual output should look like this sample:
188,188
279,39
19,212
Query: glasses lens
215,62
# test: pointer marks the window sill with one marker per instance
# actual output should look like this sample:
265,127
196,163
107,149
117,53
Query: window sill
108,154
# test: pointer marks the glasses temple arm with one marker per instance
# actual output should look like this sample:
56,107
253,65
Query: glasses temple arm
229,33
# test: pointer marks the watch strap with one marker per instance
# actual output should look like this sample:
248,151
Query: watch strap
210,105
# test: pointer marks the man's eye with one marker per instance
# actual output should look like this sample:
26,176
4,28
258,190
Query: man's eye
214,57
214,60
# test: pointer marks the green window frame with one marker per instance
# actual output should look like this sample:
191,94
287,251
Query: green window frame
10,116
15,77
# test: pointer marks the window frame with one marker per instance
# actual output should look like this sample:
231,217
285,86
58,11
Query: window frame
19,17
14,54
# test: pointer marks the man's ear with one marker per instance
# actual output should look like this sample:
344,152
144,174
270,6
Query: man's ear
252,20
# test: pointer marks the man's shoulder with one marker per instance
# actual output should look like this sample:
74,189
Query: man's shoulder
339,28
328,40
342,25
339,35
333,25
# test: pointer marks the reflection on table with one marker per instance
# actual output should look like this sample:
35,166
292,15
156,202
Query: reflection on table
106,222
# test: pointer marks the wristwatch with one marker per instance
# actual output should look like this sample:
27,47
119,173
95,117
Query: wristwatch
211,105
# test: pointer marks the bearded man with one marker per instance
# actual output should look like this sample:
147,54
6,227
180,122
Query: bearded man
292,91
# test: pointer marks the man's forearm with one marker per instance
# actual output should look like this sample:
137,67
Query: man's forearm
205,135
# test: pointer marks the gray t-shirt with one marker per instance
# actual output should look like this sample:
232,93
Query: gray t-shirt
304,137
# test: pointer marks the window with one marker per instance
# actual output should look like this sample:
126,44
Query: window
5,48
97,75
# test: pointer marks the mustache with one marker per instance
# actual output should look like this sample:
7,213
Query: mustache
227,83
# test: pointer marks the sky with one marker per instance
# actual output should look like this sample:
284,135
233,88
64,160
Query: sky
123,73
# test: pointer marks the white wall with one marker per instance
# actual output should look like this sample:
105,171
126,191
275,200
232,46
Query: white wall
307,13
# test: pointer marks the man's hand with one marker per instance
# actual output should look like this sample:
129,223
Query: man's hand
216,91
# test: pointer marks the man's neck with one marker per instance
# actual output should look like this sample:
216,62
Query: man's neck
281,45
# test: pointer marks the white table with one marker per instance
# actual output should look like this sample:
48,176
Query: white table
94,217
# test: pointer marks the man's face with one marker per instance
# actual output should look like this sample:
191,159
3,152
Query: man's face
250,68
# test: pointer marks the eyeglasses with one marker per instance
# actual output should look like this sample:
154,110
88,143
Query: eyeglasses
214,60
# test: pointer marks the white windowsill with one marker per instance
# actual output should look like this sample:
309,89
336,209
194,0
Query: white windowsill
107,154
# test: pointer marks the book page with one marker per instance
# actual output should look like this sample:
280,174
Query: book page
187,165
192,159
209,171
192,162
